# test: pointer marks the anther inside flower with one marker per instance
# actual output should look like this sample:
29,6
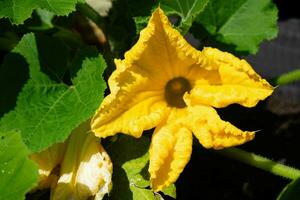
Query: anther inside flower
166,84
174,91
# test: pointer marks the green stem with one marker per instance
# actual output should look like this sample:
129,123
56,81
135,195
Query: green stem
261,162
184,29
287,78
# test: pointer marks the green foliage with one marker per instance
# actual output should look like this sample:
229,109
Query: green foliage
188,10
18,174
46,18
130,158
238,26
170,191
44,105
291,191
20,10
242,26
131,178
141,12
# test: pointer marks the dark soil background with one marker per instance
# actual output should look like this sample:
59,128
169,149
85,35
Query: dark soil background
213,177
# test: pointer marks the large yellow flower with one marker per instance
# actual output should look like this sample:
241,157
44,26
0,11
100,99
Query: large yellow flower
164,82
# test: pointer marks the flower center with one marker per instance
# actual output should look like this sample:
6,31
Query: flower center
174,91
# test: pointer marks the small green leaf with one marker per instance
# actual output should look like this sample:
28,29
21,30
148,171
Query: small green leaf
20,10
170,191
47,111
140,193
141,12
130,157
18,174
46,16
140,23
188,10
242,24
291,191
80,56
41,20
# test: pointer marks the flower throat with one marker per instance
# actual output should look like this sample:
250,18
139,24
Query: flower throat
174,91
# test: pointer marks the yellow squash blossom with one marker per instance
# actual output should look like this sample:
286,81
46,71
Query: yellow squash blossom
164,82
77,169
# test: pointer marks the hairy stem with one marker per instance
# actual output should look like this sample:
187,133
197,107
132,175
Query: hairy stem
261,162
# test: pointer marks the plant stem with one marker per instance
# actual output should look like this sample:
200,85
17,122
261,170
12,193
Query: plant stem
261,162
287,78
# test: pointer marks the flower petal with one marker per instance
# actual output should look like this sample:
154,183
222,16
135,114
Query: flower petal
86,170
237,82
129,113
212,131
47,161
161,50
136,102
170,151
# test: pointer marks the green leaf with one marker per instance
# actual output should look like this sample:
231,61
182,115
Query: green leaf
140,23
140,193
46,17
52,56
241,24
141,12
41,20
130,157
187,10
47,111
170,191
80,57
18,174
291,191
20,10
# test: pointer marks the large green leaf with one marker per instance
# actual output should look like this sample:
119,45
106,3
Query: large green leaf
18,174
47,111
130,157
242,24
19,10
188,10
291,191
